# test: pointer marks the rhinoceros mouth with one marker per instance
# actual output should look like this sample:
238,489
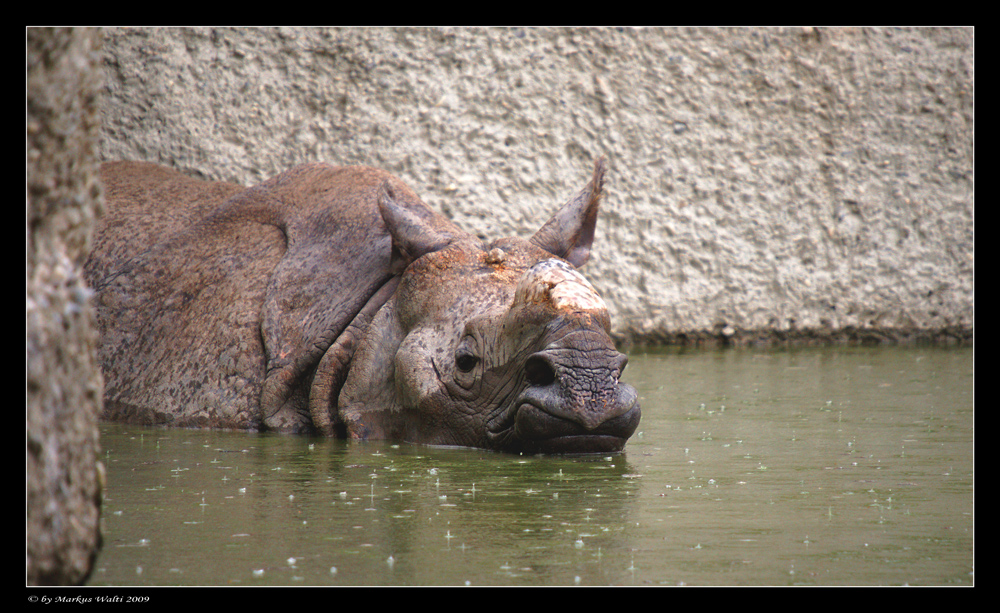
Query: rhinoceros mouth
532,429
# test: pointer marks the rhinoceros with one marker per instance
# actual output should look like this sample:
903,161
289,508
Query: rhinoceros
330,300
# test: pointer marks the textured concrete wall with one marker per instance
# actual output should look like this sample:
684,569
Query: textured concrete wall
62,379
774,183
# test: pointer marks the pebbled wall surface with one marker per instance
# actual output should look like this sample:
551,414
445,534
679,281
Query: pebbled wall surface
765,185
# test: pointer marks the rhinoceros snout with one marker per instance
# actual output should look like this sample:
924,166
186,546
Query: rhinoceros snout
576,406
543,369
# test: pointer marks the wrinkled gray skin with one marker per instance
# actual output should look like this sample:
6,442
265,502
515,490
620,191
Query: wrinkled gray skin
332,300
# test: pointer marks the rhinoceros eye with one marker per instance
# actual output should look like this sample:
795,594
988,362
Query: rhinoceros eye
466,361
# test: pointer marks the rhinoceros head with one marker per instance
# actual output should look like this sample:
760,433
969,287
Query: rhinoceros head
500,345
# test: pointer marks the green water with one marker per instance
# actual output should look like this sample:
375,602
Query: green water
832,466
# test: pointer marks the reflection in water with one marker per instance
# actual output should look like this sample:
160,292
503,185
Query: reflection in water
820,466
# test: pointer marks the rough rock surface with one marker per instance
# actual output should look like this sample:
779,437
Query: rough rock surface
62,379
765,184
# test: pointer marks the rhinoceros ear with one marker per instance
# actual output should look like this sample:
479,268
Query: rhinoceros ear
570,232
415,228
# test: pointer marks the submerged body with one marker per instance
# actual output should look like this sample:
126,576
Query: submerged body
333,300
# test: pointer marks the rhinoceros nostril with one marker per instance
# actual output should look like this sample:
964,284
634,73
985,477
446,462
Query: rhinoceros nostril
538,371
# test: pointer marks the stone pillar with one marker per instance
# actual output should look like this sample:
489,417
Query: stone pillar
62,377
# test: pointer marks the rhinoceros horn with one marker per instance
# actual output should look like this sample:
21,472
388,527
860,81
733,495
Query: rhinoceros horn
554,283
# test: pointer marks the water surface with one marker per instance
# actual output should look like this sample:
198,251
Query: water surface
820,466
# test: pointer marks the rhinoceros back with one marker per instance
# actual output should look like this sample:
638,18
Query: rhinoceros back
215,302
